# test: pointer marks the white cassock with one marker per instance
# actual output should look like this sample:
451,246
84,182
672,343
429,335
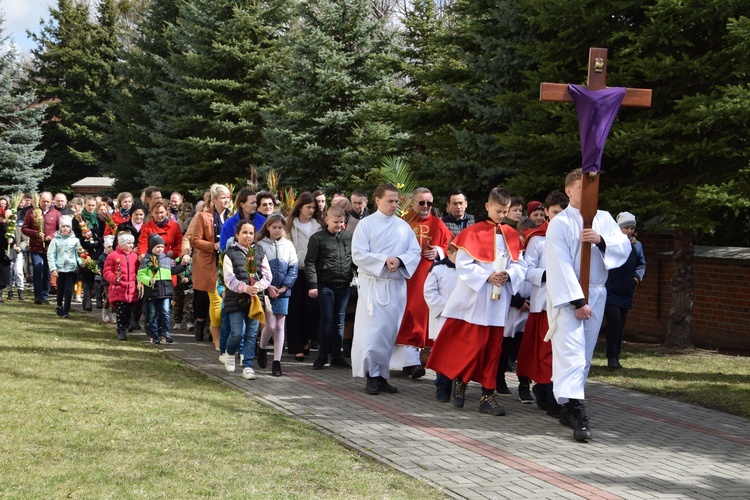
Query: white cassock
437,288
516,321
472,300
534,257
573,340
382,294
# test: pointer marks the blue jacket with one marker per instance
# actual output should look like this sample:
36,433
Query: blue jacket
282,257
230,227
62,253
621,281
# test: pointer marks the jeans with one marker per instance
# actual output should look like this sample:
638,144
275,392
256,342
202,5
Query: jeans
244,329
226,329
64,292
332,303
41,275
157,317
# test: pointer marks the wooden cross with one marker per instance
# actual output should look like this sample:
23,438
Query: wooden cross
558,92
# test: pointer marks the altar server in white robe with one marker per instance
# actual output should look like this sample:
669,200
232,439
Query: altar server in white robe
386,253
574,323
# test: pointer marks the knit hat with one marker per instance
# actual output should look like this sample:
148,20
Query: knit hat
533,205
109,241
66,220
154,240
625,219
125,238
137,205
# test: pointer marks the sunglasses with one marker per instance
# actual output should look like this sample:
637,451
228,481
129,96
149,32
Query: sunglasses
423,203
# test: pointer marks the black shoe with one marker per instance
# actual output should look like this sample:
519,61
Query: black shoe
45,302
489,405
565,417
38,302
347,348
458,393
59,312
167,339
524,394
614,364
306,351
540,396
415,372
262,358
154,340
372,386
442,393
66,316
502,386
276,369
340,362
10,296
99,303
121,335
384,386
320,362
581,430
200,327
20,295
554,410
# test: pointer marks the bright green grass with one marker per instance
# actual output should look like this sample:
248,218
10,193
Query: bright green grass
85,416
705,378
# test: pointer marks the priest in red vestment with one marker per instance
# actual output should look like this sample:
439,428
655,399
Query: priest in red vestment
433,237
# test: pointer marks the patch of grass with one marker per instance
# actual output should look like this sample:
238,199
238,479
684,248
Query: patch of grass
86,416
706,378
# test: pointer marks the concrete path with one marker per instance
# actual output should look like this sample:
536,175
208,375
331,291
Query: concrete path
643,447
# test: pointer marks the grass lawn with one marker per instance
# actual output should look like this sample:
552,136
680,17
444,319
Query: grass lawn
85,416
706,378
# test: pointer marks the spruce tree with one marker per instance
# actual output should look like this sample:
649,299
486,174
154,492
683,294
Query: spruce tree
72,72
205,117
20,128
338,97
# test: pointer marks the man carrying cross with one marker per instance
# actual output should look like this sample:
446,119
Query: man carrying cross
582,244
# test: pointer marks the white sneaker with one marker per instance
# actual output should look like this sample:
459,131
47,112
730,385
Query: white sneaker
113,318
248,374
223,358
229,363
105,316
77,299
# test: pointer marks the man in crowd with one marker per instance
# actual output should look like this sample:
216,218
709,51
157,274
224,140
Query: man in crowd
456,218
61,204
40,232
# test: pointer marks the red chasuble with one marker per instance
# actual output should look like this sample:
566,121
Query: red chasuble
430,232
479,241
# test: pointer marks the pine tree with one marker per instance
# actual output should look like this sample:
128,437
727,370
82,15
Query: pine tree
20,128
338,97
72,72
205,118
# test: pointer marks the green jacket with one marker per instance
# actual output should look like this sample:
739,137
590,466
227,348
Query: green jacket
163,287
329,259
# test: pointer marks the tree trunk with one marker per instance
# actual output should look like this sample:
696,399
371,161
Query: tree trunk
681,313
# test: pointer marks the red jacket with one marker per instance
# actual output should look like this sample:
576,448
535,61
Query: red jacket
30,229
171,233
126,290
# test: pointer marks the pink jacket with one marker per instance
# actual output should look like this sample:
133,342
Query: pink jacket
126,289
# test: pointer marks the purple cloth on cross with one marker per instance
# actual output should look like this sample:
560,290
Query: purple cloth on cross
596,110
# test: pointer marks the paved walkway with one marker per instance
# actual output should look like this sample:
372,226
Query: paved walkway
643,447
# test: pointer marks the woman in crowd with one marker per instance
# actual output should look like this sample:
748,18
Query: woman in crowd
246,205
161,225
205,242
302,324
89,230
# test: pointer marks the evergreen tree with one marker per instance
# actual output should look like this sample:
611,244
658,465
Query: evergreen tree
20,128
337,97
205,118
72,72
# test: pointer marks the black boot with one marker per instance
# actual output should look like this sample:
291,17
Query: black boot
347,348
10,295
122,334
573,414
86,303
276,369
200,327
20,295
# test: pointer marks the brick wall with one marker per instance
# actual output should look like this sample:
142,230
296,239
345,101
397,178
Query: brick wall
721,302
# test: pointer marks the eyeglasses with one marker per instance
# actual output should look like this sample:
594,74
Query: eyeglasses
423,203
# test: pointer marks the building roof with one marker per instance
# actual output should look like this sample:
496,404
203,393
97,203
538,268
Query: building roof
95,182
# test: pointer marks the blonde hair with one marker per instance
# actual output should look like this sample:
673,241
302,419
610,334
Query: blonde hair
573,176
217,189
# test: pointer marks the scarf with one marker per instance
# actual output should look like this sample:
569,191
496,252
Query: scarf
125,212
162,224
91,220
218,224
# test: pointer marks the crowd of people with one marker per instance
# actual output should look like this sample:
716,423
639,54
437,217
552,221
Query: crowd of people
470,297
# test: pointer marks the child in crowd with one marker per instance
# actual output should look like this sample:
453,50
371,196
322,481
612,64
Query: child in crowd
534,354
469,344
282,258
329,273
518,313
108,243
246,274
515,212
155,274
63,258
120,271
440,283
620,285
